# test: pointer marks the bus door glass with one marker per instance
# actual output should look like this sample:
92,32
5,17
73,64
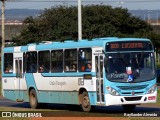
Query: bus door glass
99,78
18,70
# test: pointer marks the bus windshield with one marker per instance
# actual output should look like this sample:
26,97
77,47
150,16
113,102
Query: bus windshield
130,67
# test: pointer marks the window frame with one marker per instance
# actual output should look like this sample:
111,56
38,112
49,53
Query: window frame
33,63
8,64
82,62
58,61
43,65
72,61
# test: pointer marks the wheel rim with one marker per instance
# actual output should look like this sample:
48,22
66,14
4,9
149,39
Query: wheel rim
86,101
33,100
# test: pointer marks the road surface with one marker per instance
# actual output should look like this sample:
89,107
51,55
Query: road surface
61,110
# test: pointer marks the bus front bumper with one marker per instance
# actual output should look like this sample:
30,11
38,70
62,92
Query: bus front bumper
123,100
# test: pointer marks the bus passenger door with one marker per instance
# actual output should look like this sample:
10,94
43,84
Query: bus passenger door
99,78
18,70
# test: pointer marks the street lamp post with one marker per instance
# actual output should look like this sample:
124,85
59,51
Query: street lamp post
144,17
157,19
149,16
79,20
3,27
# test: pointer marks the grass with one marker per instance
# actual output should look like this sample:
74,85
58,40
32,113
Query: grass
158,98
0,84
0,87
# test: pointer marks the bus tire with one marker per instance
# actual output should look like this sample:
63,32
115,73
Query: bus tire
33,99
85,102
129,108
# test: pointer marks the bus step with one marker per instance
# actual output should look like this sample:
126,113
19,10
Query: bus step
100,103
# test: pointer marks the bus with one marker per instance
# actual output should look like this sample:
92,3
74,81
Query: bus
99,72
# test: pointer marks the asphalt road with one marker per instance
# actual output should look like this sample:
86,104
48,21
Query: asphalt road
150,110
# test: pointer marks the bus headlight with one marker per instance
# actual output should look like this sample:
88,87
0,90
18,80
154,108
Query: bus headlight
152,89
112,91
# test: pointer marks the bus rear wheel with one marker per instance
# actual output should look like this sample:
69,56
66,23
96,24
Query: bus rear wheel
85,102
33,99
129,108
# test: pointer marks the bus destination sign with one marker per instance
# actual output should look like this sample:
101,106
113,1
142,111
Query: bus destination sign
131,46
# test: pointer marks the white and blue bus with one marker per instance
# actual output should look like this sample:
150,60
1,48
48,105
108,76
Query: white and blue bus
100,72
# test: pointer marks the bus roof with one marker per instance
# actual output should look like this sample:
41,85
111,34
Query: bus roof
68,44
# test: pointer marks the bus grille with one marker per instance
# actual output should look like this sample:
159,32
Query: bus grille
132,98
137,87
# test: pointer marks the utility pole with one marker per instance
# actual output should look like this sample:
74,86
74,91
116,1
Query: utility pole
149,16
157,18
3,28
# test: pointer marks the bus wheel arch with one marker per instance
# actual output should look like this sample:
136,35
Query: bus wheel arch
33,100
84,100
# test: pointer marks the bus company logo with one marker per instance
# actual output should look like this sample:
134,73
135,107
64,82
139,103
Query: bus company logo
133,93
6,114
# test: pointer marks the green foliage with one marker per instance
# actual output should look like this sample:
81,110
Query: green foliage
158,65
155,39
158,97
0,86
61,23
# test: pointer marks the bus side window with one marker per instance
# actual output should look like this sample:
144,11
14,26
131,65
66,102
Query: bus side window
84,58
57,61
8,63
31,62
43,61
70,60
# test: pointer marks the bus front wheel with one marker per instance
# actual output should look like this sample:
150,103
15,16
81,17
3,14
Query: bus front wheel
85,102
33,99
129,108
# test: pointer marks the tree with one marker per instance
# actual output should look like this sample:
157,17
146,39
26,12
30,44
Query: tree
60,23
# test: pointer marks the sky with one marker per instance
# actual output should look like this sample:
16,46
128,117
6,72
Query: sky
129,4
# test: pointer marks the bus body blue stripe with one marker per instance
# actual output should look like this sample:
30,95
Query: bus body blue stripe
46,96
30,81
92,97
24,48
8,50
68,74
16,95
9,75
